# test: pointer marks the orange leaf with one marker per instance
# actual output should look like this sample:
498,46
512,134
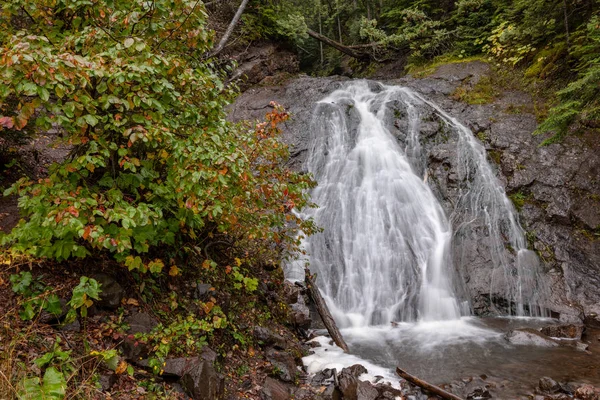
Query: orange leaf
122,367
174,271
86,232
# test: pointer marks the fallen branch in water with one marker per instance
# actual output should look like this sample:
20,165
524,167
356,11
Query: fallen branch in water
427,386
328,320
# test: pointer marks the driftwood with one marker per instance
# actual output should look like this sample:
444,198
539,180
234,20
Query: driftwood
336,45
427,386
328,320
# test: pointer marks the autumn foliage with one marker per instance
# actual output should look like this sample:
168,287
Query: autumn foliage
154,163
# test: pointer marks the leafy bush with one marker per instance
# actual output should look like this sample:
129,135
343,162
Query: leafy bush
154,162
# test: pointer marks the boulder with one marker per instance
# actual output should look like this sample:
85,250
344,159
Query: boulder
290,292
274,390
283,364
366,391
570,331
529,337
300,314
202,382
348,385
355,370
139,322
111,291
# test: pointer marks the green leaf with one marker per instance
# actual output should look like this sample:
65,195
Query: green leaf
54,386
91,119
43,93
21,281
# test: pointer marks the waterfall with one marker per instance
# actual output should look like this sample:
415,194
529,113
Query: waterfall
386,251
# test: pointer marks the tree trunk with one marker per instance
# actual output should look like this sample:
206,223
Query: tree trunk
229,30
338,46
427,386
328,320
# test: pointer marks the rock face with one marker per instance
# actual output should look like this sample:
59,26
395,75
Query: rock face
530,337
557,186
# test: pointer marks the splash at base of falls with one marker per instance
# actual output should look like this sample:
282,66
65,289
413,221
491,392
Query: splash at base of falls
388,252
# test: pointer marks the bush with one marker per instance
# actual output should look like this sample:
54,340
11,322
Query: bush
154,162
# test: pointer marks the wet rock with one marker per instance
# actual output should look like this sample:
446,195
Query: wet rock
355,370
548,385
348,385
529,337
366,391
300,314
570,331
111,291
331,392
290,292
479,393
587,392
283,364
202,382
274,390
323,378
266,337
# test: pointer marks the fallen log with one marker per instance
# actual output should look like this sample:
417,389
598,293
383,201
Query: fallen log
427,386
338,46
328,320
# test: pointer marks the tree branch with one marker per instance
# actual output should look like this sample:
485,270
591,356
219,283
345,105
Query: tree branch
229,30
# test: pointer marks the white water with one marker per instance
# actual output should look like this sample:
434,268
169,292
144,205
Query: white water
386,252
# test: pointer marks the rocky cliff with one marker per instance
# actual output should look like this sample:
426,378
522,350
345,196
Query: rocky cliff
555,187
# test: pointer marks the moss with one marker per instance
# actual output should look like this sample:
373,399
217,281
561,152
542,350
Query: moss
484,92
519,199
427,69
496,156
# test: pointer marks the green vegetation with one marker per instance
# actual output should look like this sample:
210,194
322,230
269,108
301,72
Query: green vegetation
553,44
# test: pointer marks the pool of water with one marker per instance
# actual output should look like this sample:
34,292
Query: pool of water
447,351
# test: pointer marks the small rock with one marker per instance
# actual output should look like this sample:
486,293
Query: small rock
587,392
111,291
268,337
581,346
332,393
529,337
479,393
570,331
107,381
204,292
74,326
548,385
274,390
323,378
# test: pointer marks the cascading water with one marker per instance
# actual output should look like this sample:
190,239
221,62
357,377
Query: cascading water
386,252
